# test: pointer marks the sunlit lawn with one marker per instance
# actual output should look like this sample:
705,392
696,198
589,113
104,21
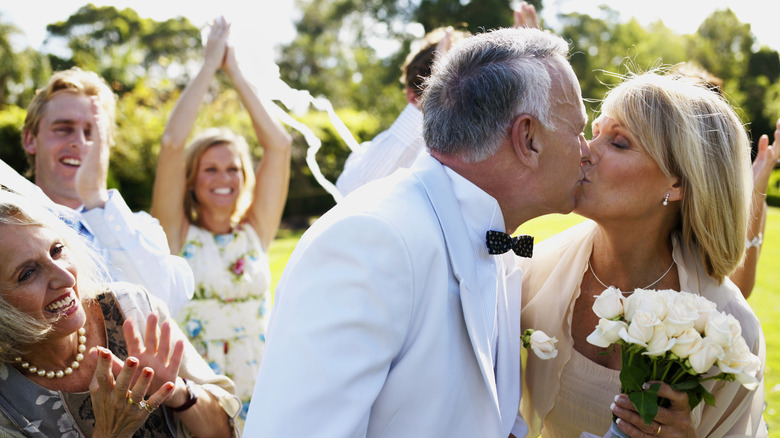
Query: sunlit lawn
762,300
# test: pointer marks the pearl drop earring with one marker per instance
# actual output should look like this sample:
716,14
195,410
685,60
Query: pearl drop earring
666,200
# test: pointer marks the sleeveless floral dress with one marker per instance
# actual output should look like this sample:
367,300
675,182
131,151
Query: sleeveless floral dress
227,318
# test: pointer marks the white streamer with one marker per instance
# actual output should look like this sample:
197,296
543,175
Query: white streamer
299,101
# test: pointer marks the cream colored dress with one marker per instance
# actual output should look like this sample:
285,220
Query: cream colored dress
227,318
582,405
551,285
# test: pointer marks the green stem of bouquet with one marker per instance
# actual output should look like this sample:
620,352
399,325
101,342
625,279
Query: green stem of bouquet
666,371
678,376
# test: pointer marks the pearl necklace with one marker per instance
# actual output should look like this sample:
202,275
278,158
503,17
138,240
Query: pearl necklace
649,285
61,373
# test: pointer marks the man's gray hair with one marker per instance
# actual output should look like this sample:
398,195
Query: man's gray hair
481,84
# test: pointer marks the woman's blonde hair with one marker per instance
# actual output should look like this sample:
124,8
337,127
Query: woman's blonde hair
197,147
18,330
695,135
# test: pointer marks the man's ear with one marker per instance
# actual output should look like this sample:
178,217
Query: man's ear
28,141
412,97
523,135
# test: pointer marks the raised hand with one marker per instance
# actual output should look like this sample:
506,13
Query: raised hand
92,174
216,45
445,43
525,16
767,158
156,350
230,63
120,406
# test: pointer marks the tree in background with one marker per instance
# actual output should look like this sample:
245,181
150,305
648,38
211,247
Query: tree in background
121,46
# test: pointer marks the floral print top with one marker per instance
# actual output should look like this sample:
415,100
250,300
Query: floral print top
227,318
39,412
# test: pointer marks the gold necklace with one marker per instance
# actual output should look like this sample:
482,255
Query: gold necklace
82,339
649,285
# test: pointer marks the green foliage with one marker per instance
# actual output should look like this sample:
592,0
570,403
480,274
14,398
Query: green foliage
11,151
604,49
773,191
306,196
123,47
646,401
763,300
474,15
134,156
20,71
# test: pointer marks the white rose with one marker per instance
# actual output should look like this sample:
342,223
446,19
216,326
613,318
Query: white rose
609,304
686,343
671,296
641,328
748,375
543,345
606,333
679,318
660,343
706,354
722,328
737,357
645,300
682,299
705,308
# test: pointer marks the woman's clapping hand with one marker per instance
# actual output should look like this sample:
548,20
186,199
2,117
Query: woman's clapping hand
156,350
120,405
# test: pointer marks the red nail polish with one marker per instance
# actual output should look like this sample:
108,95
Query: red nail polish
148,372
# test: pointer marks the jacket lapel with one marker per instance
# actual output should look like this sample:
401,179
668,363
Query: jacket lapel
439,190
508,350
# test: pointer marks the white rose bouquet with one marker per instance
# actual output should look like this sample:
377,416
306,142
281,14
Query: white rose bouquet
674,337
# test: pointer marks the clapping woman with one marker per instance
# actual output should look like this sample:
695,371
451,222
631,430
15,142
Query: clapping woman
222,217
83,358
668,189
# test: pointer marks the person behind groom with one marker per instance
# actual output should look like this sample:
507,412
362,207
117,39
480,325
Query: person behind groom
392,318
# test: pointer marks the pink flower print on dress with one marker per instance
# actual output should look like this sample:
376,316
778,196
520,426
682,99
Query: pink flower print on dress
238,267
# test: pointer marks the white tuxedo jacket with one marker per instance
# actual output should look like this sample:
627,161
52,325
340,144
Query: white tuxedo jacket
377,329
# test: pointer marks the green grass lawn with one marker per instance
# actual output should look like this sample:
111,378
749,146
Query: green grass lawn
762,300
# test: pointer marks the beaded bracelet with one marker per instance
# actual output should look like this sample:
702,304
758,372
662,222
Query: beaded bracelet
756,241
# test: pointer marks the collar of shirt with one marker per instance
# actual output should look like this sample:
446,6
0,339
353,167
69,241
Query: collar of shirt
408,126
481,213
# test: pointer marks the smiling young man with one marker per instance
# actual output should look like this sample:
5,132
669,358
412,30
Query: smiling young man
67,135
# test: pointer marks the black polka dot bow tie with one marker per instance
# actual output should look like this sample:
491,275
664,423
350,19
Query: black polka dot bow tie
499,243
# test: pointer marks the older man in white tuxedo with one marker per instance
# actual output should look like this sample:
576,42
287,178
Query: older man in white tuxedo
393,318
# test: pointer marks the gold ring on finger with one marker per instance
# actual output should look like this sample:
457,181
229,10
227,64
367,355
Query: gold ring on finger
131,401
149,408
142,404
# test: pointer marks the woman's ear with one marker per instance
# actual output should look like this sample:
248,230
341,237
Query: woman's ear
675,189
523,139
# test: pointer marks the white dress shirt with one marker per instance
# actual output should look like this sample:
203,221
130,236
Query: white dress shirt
482,213
395,148
135,249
